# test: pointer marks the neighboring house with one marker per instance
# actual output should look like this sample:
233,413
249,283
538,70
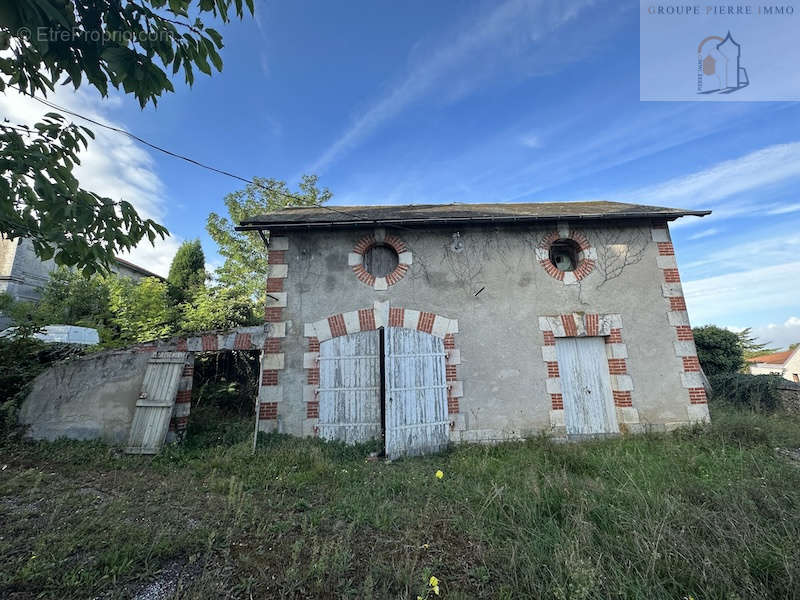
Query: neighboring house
425,324
786,364
23,274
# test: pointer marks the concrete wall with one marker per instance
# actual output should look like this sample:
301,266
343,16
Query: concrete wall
87,398
491,281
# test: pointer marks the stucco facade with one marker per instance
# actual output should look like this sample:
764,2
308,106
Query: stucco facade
500,306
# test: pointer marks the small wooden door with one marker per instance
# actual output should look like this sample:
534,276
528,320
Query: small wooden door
350,388
416,393
586,386
155,403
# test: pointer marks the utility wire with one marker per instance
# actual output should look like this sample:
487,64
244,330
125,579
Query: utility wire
188,159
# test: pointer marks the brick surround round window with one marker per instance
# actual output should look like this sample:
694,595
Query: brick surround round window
566,255
380,260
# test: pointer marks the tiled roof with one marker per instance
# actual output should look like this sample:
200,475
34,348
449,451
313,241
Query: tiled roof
772,359
443,214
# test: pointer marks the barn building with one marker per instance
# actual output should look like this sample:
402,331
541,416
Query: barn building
425,324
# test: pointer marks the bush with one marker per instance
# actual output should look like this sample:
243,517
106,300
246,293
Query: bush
742,390
718,350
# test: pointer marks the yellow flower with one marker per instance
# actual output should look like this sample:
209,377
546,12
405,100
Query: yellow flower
439,474
425,546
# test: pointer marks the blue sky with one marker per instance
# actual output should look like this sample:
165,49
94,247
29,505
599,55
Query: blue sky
436,102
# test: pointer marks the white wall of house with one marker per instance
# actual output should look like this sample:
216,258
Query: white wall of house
789,370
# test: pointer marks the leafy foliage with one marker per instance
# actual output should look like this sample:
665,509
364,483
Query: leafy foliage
187,273
40,199
245,255
718,350
130,45
141,311
754,392
751,347
217,308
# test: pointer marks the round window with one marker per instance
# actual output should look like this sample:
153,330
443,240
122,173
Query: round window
564,254
380,260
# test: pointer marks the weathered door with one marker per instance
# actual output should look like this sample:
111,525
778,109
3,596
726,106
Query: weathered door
350,388
586,386
155,403
416,393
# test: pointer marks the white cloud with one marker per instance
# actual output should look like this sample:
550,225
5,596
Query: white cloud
704,234
113,166
785,209
710,187
776,335
477,52
753,294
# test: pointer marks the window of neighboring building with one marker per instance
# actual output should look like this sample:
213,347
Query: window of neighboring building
380,260
796,378
564,254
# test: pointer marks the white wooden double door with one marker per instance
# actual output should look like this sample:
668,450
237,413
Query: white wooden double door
586,386
386,383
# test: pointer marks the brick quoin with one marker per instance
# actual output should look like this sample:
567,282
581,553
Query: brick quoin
274,284
665,248
242,342
182,345
617,366
269,377
313,376
549,338
684,333
273,314
425,322
449,341
272,345
570,329
209,342
336,323
268,411
690,363
366,319
183,396
672,276
313,344
557,401
312,410
697,396
614,337
276,257
452,406
552,369
450,372
622,398
396,317
678,303
188,371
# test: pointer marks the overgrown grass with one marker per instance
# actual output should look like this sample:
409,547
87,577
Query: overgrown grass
708,512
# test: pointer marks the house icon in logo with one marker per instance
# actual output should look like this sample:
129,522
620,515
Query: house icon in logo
719,69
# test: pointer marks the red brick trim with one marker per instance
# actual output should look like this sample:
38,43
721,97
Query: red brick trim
398,245
587,255
366,319
268,411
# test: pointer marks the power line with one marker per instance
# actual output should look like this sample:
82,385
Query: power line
187,158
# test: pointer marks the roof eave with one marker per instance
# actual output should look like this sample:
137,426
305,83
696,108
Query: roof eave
254,225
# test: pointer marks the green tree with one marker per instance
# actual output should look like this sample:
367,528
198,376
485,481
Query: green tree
141,311
187,273
217,308
718,350
244,252
125,44
751,347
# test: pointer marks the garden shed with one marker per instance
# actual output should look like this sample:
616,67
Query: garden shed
425,324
